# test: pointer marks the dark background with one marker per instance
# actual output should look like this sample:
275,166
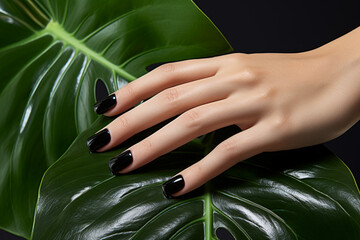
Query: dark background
286,26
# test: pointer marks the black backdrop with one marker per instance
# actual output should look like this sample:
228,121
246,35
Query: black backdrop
286,26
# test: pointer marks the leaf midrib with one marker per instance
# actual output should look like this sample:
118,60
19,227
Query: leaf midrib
59,33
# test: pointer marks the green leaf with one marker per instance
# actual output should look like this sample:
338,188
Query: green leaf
51,54
300,194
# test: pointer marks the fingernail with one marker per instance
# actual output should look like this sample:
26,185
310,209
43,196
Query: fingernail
98,140
173,185
105,105
120,162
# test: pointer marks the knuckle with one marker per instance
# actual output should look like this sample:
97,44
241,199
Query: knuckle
280,120
244,70
250,75
228,146
237,58
167,67
128,90
281,124
262,98
192,119
147,144
171,95
247,76
123,121
265,94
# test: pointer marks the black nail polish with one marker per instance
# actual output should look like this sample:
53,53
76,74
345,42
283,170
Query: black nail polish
173,185
105,105
120,162
98,140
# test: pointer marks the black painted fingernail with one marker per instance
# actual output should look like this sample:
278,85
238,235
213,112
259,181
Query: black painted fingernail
105,105
173,185
120,162
98,140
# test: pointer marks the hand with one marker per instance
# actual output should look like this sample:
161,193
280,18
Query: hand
280,101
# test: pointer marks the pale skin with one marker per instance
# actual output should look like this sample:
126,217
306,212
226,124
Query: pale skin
280,101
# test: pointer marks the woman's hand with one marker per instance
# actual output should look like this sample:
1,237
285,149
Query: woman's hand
280,101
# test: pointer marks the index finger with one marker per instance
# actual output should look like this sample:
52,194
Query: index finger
165,76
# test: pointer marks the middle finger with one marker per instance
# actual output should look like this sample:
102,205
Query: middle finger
166,104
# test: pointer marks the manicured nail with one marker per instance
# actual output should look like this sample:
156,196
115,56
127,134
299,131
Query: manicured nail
173,185
120,162
98,140
105,105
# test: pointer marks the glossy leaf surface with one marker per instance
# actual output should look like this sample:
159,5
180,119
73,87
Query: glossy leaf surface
300,194
51,54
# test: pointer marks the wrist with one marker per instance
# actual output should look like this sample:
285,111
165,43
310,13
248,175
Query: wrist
344,52
341,61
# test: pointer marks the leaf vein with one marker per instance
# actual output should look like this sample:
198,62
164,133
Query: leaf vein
108,24
247,201
309,186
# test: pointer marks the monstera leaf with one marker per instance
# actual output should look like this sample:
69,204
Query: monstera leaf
301,194
51,54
